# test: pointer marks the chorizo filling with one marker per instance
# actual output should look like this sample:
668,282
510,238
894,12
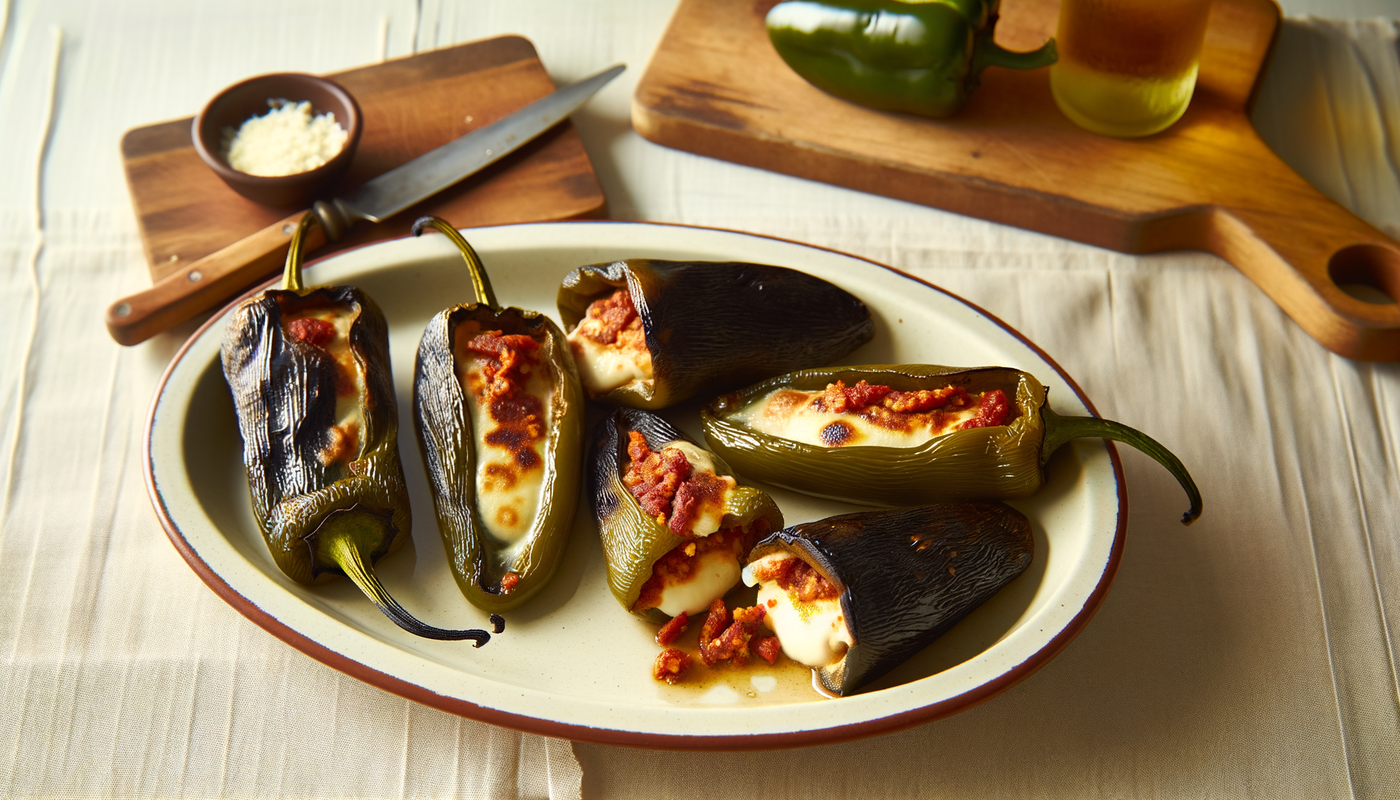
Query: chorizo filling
328,329
873,415
803,608
510,393
609,345
678,487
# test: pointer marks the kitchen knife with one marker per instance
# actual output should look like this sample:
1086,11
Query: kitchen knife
215,278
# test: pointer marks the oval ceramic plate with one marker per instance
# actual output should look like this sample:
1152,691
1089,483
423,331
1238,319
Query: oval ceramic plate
572,663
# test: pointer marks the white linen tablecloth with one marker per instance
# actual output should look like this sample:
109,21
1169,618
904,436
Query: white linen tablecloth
1251,655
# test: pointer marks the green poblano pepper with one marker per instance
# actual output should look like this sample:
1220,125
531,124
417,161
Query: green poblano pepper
504,468
632,540
916,57
984,463
313,393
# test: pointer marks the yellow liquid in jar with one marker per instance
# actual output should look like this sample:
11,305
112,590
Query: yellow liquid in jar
1127,67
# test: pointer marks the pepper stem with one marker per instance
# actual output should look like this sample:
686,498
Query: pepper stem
990,54
346,539
291,273
481,282
1059,430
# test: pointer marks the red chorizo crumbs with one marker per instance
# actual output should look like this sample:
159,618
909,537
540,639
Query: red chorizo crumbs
509,582
653,478
797,578
312,331
506,363
732,643
768,648
668,488
671,665
882,405
673,629
612,314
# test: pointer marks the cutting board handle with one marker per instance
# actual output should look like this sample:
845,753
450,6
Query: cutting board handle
206,283
1302,257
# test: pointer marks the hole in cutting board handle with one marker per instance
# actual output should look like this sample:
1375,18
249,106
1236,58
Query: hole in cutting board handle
1367,272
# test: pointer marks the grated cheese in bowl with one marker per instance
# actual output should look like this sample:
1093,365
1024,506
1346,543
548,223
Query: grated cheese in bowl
284,141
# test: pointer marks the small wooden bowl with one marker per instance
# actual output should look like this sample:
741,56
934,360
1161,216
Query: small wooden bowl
250,98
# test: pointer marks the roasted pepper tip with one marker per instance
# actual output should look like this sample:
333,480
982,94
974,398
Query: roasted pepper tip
346,540
1059,430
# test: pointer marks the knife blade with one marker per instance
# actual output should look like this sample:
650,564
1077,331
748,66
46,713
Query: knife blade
215,278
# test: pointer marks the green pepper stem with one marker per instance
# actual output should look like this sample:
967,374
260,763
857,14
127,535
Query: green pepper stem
1059,430
481,282
291,273
990,54
341,548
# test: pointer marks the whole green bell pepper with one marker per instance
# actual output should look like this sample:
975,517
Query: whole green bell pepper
987,463
493,572
919,57
314,396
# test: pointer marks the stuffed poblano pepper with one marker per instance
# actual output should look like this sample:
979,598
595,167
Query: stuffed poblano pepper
854,596
675,523
313,391
902,435
499,413
650,334
917,56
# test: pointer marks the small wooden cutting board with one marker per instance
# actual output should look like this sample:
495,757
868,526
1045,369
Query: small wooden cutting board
410,106
715,86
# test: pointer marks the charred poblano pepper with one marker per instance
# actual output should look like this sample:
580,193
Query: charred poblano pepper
638,532
313,392
856,595
499,413
650,334
987,460
920,57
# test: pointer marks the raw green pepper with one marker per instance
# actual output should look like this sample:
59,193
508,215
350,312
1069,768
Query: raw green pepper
503,540
314,395
987,463
633,541
917,56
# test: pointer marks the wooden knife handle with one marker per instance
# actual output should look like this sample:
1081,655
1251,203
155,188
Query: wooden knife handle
206,283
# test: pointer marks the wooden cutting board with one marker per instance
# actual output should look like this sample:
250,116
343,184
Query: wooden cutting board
716,87
410,106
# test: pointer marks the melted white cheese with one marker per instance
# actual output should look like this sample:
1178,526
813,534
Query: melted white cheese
812,633
508,498
790,414
604,367
716,572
